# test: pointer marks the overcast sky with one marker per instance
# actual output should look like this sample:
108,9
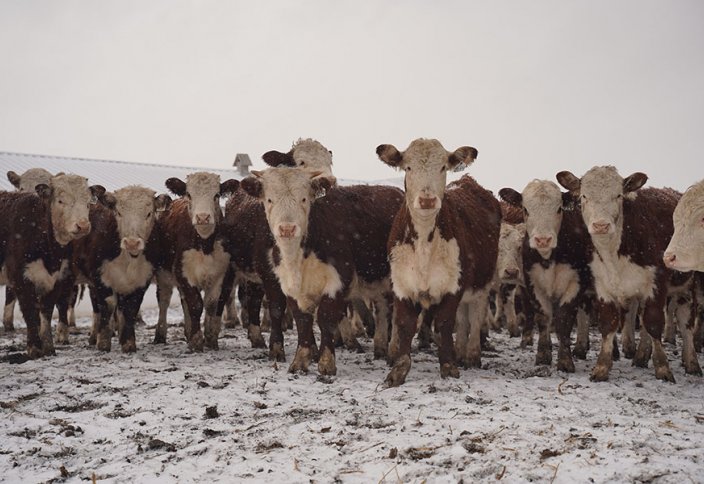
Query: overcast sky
536,87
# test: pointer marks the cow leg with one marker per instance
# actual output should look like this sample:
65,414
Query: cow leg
563,318
330,312
609,316
253,304
304,352
425,332
497,319
242,297
654,322
71,310
67,294
129,309
45,314
628,333
462,329
581,345
544,354
164,291
529,319
445,318
686,315
29,306
478,307
510,311
669,333
8,314
106,309
404,322
215,297
230,318
277,311
93,336
345,334
645,349
193,305
369,319
384,309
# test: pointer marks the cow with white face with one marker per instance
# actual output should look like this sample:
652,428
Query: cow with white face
685,252
443,248
556,256
509,276
35,256
629,229
325,250
26,182
307,154
194,257
114,261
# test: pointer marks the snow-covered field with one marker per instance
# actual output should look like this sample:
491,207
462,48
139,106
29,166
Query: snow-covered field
167,415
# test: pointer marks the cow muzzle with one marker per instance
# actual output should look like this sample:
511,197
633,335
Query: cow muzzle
80,229
542,242
133,245
510,274
670,259
428,203
600,228
287,231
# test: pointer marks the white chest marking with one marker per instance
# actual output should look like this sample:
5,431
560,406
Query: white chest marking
125,273
307,279
44,281
426,270
617,279
558,283
202,270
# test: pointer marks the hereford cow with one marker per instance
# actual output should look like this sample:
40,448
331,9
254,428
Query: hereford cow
685,251
629,230
509,276
556,256
442,248
193,256
117,261
35,236
327,250
23,183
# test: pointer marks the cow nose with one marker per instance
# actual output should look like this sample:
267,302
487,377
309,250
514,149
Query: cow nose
669,259
131,244
202,218
82,226
600,227
427,203
511,273
287,230
543,242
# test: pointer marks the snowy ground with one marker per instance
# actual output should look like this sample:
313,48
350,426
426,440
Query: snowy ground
165,415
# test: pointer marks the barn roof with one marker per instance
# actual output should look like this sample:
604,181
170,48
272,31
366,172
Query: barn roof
109,173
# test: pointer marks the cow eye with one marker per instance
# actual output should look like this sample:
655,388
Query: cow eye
119,214
525,211
268,200
442,169
188,195
149,214
408,168
559,209
304,200
61,202
302,163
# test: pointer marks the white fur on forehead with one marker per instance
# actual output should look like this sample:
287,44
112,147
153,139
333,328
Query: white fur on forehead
203,182
691,202
134,196
312,152
286,180
425,151
602,180
542,190
33,177
508,230
72,184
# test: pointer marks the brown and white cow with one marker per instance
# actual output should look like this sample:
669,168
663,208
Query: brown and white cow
35,237
556,256
117,260
629,230
685,252
509,277
442,248
194,257
26,182
327,250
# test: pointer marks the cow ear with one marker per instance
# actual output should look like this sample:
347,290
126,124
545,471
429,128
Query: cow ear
14,178
253,185
108,200
569,181
389,155
162,202
229,187
97,192
43,190
176,186
276,158
634,182
462,157
511,196
321,184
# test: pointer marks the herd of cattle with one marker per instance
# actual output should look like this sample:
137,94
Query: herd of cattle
441,261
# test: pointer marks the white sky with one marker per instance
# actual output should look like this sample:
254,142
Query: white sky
536,87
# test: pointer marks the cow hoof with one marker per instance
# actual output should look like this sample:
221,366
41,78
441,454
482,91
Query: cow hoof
693,370
159,339
397,375
212,343
615,355
255,336
301,361
487,346
129,346
104,343
599,373
91,339
663,373
276,352
543,358
514,331
566,365
34,352
380,352
353,345
326,363
196,342
62,334
314,352
231,323
640,360
9,326
580,352
629,351
473,360
526,342
449,370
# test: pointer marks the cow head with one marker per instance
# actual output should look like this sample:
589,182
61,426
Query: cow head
601,192
203,191
27,181
542,203
305,153
135,209
685,251
426,163
69,198
509,265
287,195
